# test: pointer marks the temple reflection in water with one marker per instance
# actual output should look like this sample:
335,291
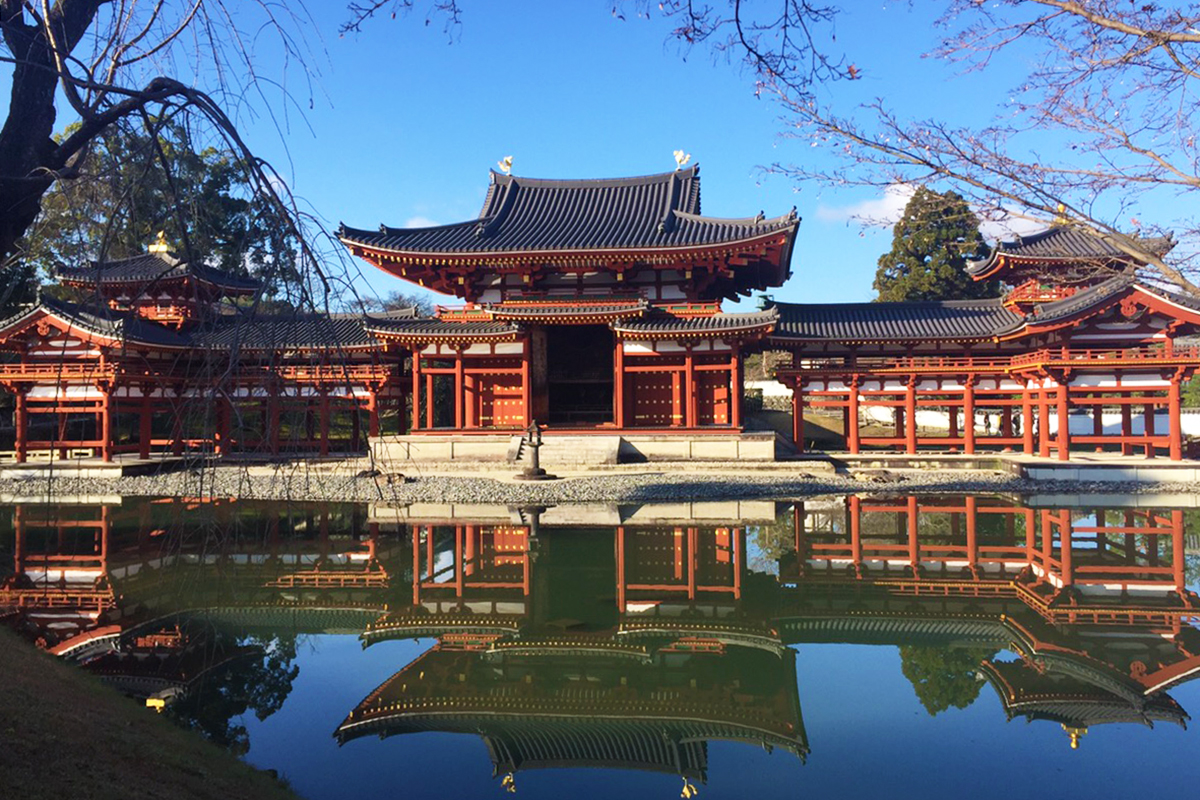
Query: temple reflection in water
615,636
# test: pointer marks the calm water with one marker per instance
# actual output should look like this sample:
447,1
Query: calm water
843,646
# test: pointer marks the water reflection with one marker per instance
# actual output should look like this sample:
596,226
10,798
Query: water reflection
628,637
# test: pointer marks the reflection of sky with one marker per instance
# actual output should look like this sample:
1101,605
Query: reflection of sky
870,737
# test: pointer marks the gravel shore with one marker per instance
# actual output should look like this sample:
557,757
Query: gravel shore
657,484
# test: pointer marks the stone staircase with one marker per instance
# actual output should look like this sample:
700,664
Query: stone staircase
568,451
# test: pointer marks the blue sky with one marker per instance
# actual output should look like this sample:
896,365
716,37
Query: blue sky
408,120
405,120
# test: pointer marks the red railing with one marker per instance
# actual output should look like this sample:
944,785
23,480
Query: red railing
1033,292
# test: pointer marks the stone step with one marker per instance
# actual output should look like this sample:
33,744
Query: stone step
569,451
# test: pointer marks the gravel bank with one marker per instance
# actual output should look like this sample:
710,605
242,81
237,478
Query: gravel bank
648,485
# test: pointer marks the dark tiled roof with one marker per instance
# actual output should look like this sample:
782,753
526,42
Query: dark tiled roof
151,267
880,322
1067,243
527,214
101,321
286,332
660,323
572,307
437,328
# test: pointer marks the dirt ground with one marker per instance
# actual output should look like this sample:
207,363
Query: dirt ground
65,735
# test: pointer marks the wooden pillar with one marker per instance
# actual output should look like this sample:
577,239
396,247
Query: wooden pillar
416,388
106,442
470,400
1126,426
1043,403
145,415
355,424
676,399
910,417
430,397
952,422
373,411
273,409
736,388
689,389
1026,421
1148,413
1176,421
798,416
619,384
1064,422
220,427
852,438
526,381
460,391
969,415
1006,426
325,411
1098,423
21,423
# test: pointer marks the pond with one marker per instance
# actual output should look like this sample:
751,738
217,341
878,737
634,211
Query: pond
866,646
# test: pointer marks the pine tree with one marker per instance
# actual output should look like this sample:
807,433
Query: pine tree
931,245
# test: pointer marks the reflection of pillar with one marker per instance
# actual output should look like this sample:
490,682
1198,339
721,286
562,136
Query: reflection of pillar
972,540
1065,547
1178,554
620,569
799,522
739,547
914,546
459,578
416,565
855,511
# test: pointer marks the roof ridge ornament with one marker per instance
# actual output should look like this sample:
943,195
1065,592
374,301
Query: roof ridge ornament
159,245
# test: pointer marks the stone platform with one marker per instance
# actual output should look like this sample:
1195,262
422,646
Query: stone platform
121,466
573,450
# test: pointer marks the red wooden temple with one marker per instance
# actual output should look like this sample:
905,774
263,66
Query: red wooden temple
1079,338
588,304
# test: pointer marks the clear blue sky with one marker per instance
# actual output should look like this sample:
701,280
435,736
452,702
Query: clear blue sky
408,123
406,120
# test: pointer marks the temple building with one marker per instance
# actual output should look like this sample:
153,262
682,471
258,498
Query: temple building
1079,337
587,305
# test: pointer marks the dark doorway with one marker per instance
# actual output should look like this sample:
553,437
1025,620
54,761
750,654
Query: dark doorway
579,367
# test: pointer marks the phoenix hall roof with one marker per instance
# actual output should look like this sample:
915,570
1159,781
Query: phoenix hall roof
567,221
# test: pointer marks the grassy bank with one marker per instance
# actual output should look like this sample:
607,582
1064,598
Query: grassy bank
64,734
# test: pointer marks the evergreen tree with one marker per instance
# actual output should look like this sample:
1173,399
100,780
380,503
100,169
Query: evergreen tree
931,245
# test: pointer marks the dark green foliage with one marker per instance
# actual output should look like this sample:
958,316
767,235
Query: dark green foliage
140,179
943,677
931,245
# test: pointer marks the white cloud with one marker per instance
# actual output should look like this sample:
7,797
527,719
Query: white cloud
1010,227
885,210
420,222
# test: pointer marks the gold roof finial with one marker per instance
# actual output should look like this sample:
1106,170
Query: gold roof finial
159,245
505,165
1075,733
681,158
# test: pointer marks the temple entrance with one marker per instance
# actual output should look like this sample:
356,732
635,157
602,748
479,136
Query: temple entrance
579,374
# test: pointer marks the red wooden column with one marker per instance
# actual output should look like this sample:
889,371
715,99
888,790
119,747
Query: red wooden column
689,389
21,420
416,388
273,420
324,422
460,390
677,412
910,416
969,415
1126,425
736,388
1026,420
145,414
1098,424
798,416
526,381
952,422
1148,413
852,438
471,399
221,427
1064,422
1043,403
1176,422
373,411
429,398
619,383
106,443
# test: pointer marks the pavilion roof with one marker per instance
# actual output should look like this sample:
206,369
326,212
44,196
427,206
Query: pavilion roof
298,331
571,221
437,329
1065,243
152,268
662,324
102,321
953,320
